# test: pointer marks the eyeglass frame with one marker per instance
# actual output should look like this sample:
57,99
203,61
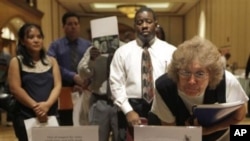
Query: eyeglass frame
199,75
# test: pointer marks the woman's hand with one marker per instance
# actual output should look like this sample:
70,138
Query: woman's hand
41,109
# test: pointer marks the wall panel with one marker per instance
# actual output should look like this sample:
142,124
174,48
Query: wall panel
226,26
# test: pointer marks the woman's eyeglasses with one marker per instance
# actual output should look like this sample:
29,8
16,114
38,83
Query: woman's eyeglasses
199,75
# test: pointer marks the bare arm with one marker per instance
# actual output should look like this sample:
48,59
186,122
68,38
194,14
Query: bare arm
84,67
57,84
14,80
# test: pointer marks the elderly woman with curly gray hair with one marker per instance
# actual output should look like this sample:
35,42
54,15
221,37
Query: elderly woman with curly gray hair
196,76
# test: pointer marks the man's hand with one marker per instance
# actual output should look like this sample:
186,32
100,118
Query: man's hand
78,80
86,83
83,86
77,88
94,53
133,118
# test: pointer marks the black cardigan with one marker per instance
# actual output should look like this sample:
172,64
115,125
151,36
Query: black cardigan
169,93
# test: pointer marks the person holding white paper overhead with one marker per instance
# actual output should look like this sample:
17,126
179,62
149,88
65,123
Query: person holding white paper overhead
196,76
34,80
94,65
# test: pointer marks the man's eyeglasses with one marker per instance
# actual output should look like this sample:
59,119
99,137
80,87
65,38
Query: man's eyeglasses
199,75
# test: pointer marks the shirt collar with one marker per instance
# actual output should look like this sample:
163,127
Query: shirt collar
140,43
71,42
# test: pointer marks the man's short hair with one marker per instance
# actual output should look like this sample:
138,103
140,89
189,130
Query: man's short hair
67,15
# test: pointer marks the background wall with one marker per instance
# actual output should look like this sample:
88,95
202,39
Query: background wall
173,26
11,9
226,23
226,26
13,15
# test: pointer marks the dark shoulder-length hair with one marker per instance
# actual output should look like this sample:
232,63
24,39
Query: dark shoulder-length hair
22,49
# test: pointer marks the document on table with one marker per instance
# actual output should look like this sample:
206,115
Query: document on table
33,122
66,133
167,133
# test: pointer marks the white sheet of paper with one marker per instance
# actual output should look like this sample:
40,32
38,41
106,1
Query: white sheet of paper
104,26
33,122
75,96
77,110
167,133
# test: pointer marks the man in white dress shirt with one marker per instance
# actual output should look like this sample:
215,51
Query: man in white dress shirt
125,69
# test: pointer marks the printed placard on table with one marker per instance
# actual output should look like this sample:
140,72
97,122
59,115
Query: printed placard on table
167,133
65,133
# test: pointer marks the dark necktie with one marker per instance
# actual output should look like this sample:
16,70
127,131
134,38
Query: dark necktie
73,55
147,76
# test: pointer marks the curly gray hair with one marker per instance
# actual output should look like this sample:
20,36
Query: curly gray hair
202,50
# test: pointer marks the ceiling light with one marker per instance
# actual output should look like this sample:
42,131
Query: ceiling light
104,5
153,5
129,9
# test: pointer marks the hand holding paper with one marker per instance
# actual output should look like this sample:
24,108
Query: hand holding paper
94,53
33,122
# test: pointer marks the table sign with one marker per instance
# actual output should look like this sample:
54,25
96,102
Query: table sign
34,122
65,133
167,133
